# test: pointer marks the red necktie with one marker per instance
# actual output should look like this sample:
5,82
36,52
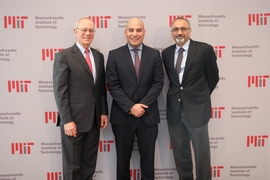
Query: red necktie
137,61
87,57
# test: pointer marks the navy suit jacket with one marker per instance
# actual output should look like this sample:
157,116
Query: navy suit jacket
199,80
127,90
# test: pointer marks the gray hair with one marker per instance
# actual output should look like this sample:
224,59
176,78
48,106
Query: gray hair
76,24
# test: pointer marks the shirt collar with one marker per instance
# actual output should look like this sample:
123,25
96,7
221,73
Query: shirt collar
185,46
82,49
131,48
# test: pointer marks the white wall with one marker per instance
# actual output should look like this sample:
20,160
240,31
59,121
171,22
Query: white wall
244,110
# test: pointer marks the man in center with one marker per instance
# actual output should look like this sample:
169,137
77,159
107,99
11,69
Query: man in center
135,78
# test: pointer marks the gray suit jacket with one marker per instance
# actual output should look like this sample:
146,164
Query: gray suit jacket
199,80
77,97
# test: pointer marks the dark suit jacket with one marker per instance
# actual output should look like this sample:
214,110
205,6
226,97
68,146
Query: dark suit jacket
199,80
127,90
77,98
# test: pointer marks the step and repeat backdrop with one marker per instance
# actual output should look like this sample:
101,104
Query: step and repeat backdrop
33,31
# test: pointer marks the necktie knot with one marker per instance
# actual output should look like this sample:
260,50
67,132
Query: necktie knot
181,50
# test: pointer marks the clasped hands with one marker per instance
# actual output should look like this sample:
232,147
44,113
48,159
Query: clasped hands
138,110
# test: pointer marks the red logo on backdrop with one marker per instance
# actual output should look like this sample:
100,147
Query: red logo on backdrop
216,112
215,171
100,21
21,148
135,174
54,175
51,116
257,141
49,53
173,17
257,81
18,86
16,22
258,19
218,50
105,146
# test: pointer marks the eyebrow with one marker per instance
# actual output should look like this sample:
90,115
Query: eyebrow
135,29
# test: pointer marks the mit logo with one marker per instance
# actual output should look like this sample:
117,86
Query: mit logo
105,146
173,17
216,112
218,50
22,148
15,21
257,81
49,53
257,141
215,171
19,86
100,21
51,116
258,19
135,174
54,175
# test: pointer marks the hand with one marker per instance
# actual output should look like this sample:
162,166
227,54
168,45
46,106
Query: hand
70,129
104,121
138,110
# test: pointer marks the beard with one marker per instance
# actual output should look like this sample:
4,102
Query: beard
179,38
179,41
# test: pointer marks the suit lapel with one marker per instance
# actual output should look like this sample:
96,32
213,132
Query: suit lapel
144,56
171,55
96,59
128,58
77,54
190,57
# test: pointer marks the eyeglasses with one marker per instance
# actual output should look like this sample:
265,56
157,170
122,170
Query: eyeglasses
87,30
182,29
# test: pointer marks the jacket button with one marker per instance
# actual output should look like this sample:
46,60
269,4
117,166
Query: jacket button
179,100
181,88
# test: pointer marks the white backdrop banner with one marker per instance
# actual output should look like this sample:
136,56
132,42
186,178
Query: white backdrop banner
33,31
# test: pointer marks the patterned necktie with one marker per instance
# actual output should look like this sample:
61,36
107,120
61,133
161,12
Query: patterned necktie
137,61
87,57
179,61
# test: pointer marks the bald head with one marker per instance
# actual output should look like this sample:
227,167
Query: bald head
135,21
135,32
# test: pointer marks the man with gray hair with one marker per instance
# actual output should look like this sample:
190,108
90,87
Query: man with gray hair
81,99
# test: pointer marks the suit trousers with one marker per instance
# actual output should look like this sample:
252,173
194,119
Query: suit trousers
124,140
79,155
181,134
